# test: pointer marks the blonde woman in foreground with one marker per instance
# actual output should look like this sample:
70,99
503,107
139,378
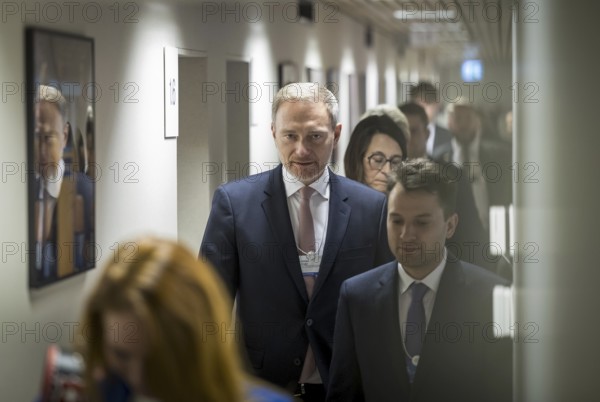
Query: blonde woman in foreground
157,328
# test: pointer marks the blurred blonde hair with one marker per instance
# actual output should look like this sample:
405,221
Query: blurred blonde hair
183,309
306,92
50,94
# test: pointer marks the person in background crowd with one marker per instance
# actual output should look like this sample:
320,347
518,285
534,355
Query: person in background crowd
469,239
377,145
486,162
427,95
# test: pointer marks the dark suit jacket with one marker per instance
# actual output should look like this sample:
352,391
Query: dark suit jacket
460,361
83,244
496,159
442,137
250,241
470,237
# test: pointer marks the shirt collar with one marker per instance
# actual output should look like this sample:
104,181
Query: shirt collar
321,185
53,184
432,280
473,146
431,127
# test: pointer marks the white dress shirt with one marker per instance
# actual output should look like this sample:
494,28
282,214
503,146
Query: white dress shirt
430,139
54,183
432,281
319,206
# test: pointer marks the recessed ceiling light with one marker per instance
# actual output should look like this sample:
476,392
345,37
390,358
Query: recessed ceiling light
426,15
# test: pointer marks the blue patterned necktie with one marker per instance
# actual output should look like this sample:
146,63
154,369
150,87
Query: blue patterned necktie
415,328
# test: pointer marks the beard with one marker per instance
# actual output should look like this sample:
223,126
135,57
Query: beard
304,173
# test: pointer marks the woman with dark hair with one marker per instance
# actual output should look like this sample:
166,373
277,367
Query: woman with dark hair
377,146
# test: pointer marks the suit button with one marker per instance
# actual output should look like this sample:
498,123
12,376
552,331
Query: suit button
297,361
309,322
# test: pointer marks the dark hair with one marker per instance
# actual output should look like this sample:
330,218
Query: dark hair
427,175
414,109
361,138
425,92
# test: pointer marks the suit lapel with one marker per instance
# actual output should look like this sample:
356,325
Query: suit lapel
453,279
387,298
339,215
443,153
276,211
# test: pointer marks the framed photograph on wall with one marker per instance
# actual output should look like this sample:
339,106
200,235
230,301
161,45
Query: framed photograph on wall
358,96
333,80
315,75
288,73
61,95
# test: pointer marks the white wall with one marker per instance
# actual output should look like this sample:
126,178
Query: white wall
133,133
556,292
193,195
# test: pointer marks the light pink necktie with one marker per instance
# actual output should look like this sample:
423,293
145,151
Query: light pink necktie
306,229
306,244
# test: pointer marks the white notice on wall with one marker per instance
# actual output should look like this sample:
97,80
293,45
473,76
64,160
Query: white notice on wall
171,92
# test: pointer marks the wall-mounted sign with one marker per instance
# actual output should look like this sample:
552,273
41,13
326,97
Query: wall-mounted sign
171,92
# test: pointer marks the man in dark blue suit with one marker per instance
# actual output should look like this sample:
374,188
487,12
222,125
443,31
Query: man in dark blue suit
62,202
486,162
420,328
284,240
470,235
427,96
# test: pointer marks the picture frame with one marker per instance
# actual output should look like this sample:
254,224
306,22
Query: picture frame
358,95
288,73
61,96
315,75
333,80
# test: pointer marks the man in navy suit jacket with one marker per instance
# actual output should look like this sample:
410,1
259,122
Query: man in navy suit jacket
427,96
487,162
458,357
470,232
252,240
62,197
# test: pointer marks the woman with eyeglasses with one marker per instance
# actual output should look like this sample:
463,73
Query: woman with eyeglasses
377,146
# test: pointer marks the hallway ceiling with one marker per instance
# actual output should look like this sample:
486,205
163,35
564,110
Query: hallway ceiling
451,30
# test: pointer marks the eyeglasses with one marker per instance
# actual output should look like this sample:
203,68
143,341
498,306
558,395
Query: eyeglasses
378,160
